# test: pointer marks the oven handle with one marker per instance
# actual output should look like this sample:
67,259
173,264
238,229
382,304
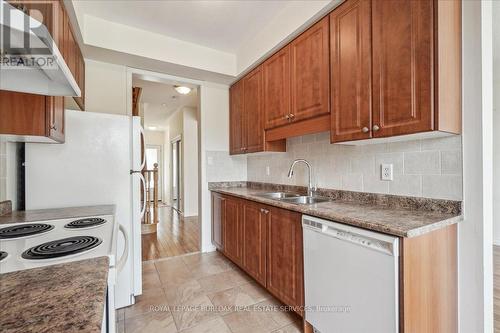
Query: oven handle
121,263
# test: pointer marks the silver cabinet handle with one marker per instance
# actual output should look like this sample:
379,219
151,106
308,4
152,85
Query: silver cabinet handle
265,211
292,116
365,130
376,128
287,117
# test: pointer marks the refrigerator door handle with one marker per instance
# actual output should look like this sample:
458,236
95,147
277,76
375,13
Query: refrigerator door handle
143,209
143,151
121,263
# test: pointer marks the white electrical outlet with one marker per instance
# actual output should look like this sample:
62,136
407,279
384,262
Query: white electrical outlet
386,172
268,171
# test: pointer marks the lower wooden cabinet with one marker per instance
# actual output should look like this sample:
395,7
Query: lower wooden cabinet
264,241
231,227
255,219
285,262
218,215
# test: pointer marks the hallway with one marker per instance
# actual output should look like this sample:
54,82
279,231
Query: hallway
203,293
176,235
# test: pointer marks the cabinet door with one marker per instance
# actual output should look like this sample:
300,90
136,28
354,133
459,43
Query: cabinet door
254,225
22,114
218,216
70,47
350,43
402,67
310,72
253,110
285,275
237,132
232,230
80,77
55,118
277,89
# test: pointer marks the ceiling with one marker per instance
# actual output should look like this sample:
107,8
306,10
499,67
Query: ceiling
221,25
161,100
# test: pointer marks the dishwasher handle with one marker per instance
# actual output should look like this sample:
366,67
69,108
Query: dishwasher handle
368,239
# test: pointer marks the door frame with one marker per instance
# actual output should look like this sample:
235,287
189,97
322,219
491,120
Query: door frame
180,191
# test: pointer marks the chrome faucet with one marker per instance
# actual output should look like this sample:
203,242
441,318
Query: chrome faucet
310,188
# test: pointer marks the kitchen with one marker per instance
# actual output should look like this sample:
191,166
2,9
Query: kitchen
338,143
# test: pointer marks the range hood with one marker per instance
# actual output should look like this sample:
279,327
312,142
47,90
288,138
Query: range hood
30,61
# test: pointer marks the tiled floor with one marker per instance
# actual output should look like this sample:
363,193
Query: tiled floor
203,293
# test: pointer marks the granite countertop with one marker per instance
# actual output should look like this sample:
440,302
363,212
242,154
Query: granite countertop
67,297
394,215
56,213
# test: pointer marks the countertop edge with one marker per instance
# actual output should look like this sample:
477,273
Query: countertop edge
306,210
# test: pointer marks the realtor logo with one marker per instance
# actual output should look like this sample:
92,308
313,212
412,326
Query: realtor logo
24,39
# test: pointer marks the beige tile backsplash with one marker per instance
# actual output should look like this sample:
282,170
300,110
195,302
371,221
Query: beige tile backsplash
429,168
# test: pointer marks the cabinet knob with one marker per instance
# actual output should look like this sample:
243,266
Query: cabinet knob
53,127
287,117
292,115
376,128
365,129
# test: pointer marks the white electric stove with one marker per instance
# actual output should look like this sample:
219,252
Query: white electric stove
37,244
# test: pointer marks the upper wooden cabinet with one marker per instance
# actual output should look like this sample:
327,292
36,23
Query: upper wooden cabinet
350,42
31,118
403,53
36,118
237,126
310,72
253,100
277,102
409,82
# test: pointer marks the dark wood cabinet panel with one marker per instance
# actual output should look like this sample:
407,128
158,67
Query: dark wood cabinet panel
350,64
253,110
55,116
285,265
237,132
277,106
254,241
22,114
232,230
218,218
310,72
403,67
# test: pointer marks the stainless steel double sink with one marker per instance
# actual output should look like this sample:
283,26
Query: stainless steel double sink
293,198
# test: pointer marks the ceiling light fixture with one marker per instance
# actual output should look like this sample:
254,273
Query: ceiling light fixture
183,90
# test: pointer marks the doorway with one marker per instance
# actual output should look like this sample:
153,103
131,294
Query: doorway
176,177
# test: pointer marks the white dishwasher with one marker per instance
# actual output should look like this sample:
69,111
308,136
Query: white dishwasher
351,278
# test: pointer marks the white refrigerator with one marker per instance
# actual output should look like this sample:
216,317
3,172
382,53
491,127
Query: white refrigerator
97,165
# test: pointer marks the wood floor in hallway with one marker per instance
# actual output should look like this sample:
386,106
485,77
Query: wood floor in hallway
203,293
176,235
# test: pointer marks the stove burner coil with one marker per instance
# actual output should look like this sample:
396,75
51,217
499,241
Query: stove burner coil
24,230
85,223
62,247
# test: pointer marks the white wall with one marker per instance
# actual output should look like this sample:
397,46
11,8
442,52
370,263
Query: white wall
423,168
157,138
216,164
190,161
496,122
8,172
475,232
105,87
